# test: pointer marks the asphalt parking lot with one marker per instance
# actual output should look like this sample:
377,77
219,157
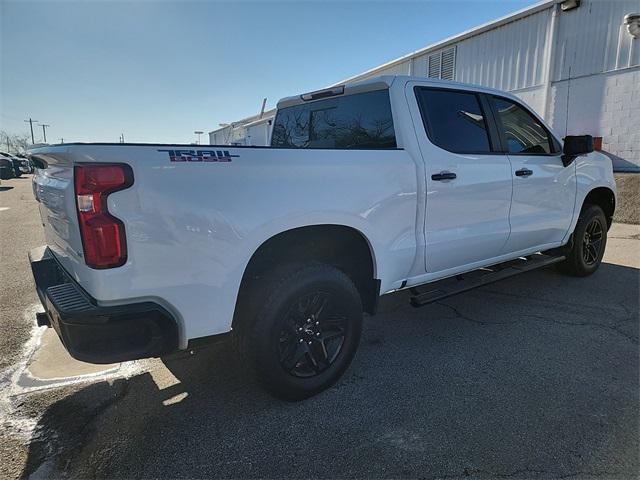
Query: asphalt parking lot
533,377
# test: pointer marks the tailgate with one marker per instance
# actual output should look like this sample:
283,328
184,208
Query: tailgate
54,190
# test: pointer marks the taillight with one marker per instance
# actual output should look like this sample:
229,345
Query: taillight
103,237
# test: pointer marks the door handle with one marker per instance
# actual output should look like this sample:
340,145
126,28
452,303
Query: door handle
438,177
524,172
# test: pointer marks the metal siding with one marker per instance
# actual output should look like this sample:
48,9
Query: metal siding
399,69
592,39
508,57
533,97
421,65
258,134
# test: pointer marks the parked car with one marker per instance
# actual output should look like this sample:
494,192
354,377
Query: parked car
26,166
367,189
6,167
15,162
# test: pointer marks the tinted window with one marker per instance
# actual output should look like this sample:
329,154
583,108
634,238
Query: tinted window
522,131
361,120
454,120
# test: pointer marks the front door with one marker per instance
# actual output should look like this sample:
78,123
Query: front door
468,181
544,190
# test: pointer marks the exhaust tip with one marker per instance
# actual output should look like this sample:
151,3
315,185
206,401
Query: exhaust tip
42,319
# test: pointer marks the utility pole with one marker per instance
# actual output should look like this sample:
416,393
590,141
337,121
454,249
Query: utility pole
44,131
30,122
198,132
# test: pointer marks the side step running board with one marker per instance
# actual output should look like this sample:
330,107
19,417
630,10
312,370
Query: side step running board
477,278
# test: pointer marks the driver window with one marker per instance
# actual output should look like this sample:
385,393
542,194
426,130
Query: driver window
522,131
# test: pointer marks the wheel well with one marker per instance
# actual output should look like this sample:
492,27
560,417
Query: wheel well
605,199
343,247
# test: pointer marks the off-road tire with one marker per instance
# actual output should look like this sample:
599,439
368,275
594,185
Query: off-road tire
267,320
582,260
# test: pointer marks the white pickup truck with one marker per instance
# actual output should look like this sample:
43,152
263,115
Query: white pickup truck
366,189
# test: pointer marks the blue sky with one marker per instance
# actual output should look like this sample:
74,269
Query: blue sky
159,70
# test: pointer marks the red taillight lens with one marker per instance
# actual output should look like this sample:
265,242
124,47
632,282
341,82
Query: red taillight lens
103,236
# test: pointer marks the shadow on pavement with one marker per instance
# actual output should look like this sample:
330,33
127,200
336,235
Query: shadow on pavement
4,189
536,376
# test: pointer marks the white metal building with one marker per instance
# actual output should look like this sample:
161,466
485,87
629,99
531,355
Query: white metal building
576,62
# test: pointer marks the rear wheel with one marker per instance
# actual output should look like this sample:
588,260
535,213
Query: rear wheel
589,242
303,333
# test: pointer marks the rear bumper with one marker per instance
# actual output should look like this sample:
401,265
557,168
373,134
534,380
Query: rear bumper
94,333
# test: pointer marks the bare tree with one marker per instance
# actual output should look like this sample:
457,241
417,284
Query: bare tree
14,142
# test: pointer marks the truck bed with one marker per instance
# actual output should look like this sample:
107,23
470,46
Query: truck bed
195,214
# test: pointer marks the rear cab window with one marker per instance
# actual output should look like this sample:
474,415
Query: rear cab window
357,121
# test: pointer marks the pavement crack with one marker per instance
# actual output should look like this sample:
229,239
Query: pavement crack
633,339
527,473
612,328
570,307
462,316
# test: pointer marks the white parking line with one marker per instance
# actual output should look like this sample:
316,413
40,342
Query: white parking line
4,208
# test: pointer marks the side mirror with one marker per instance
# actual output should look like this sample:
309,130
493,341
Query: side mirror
575,145
38,162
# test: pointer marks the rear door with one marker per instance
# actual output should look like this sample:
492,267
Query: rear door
468,181
544,190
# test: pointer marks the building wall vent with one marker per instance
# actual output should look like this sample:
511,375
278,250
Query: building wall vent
434,65
442,64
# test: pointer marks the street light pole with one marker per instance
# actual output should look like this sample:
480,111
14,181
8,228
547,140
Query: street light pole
44,131
30,122
198,132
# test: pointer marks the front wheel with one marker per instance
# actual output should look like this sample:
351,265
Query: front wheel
589,242
304,332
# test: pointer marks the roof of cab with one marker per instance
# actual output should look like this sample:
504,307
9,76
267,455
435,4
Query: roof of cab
386,81
375,83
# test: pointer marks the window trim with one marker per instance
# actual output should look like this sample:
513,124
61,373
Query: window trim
494,138
554,144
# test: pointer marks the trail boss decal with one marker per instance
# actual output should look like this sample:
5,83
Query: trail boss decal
199,155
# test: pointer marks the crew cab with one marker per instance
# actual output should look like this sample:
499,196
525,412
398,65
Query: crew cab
392,183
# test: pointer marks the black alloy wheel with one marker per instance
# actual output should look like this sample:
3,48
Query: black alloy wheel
312,336
592,242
